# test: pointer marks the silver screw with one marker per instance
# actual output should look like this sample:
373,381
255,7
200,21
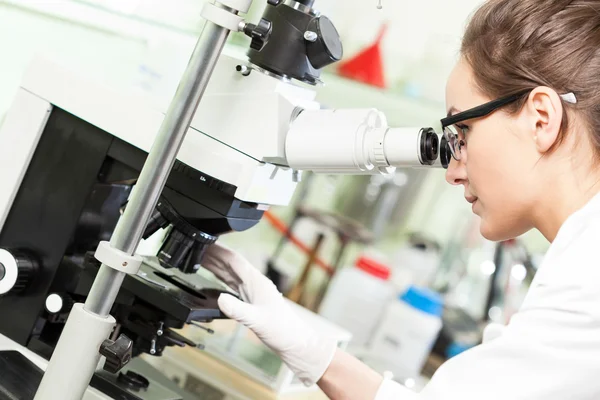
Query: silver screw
310,36
208,330
379,5
153,347
160,330
245,71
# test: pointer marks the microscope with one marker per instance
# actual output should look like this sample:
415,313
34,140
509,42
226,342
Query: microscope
90,170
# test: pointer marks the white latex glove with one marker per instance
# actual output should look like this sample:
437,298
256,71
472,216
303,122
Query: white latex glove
266,313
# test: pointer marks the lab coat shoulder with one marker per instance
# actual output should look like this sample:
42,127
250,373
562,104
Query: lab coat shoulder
551,347
569,278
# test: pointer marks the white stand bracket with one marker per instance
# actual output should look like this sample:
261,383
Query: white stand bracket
83,332
117,259
222,17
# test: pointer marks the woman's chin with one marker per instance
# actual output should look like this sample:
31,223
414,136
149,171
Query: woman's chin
492,235
498,232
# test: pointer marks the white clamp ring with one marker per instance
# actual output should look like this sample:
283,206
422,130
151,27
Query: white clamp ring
240,5
377,148
221,17
117,259
378,129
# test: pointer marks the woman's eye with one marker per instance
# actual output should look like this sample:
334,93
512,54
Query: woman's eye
463,130
462,127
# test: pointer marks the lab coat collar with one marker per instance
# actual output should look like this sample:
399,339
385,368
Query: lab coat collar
577,221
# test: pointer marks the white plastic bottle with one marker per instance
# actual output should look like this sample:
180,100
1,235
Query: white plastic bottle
357,298
407,333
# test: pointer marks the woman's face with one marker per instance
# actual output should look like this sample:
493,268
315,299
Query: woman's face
497,162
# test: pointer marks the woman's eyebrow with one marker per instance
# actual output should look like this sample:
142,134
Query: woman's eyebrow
453,110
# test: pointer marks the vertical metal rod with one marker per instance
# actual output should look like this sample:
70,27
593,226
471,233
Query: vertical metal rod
67,380
132,224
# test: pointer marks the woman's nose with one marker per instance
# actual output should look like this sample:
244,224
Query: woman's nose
456,174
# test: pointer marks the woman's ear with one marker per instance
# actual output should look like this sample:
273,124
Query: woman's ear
544,114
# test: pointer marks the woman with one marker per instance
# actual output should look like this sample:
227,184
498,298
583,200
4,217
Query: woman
524,127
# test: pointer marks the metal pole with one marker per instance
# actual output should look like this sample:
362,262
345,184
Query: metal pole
130,228
64,379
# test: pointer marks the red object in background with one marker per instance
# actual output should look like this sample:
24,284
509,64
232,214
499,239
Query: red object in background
374,268
367,66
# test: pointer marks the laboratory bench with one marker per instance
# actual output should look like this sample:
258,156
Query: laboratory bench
209,378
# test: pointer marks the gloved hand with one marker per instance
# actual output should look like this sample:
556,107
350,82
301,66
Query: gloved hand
266,313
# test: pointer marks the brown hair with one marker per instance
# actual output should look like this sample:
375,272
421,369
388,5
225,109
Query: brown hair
513,45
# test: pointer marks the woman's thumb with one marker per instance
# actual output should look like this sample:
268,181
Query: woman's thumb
237,309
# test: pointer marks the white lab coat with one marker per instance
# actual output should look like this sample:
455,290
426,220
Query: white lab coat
550,350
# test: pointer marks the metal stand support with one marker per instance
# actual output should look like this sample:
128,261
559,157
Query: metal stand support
74,377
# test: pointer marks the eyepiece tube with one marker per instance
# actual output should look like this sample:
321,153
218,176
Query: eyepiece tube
357,142
410,147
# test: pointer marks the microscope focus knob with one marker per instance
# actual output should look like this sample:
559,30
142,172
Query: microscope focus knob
117,352
16,271
259,33
323,43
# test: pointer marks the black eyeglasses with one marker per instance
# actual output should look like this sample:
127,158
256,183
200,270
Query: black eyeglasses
449,124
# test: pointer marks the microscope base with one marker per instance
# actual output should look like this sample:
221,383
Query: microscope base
18,362
21,373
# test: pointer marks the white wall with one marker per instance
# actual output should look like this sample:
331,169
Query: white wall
109,46
120,37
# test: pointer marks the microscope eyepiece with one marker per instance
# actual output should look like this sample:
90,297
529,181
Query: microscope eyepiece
429,146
